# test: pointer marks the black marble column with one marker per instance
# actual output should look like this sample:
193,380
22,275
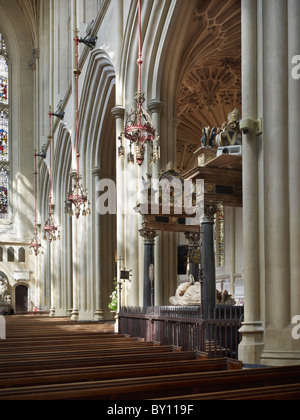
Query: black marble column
208,260
149,237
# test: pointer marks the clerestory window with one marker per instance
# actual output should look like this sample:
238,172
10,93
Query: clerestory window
4,131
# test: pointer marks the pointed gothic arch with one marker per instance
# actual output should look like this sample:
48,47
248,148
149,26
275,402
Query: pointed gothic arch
97,159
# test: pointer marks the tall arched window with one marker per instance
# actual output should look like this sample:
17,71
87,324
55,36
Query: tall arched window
21,254
4,131
10,254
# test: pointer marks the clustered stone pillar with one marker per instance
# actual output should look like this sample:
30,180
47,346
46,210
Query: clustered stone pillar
119,113
252,329
156,108
99,313
149,270
276,140
270,181
294,155
276,162
53,276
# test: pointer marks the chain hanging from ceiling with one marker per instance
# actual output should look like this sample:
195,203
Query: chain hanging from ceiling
139,128
77,201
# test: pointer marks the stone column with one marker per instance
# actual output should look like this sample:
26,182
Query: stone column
53,276
69,270
252,330
74,25
208,260
294,154
119,113
99,313
52,280
82,265
275,136
75,265
75,237
281,124
149,270
193,244
156,107
39,283
232,250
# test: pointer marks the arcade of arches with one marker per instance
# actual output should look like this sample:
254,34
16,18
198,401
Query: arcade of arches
202,59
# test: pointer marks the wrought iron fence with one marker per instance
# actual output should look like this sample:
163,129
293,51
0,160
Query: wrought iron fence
184,327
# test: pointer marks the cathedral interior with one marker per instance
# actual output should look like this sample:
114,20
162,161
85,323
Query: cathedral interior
213,81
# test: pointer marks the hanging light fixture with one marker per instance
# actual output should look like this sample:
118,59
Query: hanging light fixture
35,246
77,197
139,128
50,227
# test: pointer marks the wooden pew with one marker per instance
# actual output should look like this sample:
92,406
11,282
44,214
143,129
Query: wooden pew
20,365
158,386
42,341
30,327
62,336
95,373
22,351
57,355
278,392
58,359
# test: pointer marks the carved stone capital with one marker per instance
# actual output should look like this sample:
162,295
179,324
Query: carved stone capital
209,212
97,172
73,173
155,106
149,235
192,238
118,111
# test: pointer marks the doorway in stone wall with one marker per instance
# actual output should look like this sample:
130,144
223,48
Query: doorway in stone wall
21,294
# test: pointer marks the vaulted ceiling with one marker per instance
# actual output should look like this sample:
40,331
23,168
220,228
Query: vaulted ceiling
31,11
210,70
210,80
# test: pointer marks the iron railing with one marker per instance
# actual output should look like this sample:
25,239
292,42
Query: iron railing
184,327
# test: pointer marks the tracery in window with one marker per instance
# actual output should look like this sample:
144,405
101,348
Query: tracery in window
4,131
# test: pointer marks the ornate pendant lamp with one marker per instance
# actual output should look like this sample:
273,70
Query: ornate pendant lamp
35,246
77,197
139,128
50,227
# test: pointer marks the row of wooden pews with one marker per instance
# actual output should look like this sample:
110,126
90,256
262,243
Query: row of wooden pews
55,359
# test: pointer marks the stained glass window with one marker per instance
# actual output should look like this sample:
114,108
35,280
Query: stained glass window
3,81
4,191
3,73
4,131
4,135
2,45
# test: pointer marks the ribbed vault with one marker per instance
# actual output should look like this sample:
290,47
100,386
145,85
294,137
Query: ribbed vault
210,74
